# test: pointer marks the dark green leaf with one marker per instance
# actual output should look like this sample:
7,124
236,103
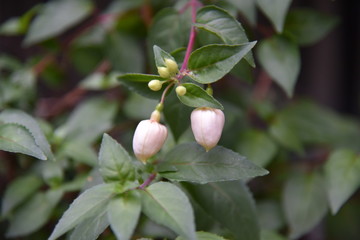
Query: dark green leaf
247,8
231,204
210,63
257,147
83,207
21,118
18,191
167,205
88,121
16,138
270,235
115,163
160,56
270,214
91,228
307,26
222,24
304,202
190,162
197,97
56,17
124,53
281,60
276,11
342,177
204,236
123,214
139,83
177,116
34,213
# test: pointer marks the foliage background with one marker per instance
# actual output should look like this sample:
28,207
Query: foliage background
330,75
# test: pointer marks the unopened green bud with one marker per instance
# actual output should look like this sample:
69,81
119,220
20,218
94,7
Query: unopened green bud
171,66
180,90
163,72
155,85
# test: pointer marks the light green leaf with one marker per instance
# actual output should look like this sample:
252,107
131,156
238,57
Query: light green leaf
342,177
275,10
270,214
177,116
55,18
83,207
210,63
16,138
281,60
124,53
88,121
247,8
34,213
270,235
22,118
91,228
197,97
138,107
18,191
190,162
307,26
226,27
204,236
304,202
160,56
257,147
167,205
115,162
123,214
139,83
231,204
100,81
79,151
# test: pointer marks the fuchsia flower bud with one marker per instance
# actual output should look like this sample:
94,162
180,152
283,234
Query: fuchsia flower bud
207,125
149,137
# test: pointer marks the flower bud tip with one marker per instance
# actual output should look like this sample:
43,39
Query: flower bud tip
180,90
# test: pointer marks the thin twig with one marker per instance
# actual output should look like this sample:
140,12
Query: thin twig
147,181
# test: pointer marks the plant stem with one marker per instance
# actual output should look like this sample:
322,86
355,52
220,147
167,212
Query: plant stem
165,91
147,181
190,46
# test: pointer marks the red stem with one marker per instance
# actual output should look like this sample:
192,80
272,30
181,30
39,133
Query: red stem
147,181
190,46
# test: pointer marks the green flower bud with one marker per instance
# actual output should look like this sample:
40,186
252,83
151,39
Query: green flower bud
180,90
155,85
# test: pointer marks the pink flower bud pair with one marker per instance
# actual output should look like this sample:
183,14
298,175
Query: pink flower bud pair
207,125
149,137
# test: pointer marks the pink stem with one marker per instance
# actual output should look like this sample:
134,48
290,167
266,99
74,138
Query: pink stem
147,181
190,46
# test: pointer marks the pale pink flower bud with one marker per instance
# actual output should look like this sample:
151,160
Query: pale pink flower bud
148,139
207,125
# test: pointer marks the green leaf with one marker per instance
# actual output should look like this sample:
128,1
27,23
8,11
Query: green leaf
21,118
307,26
88,121
204,236
123,214
276,11
247,8
190,162
18,191
177,116
342,177
55,18
257,147
226,27
231,204
83,207
138,107
167,205
34,213
270,235
100,81
197,97
124,53
270,214
139,83
16,138
210,63
79,151
115,162
281,60
91,228
160,56
304,202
